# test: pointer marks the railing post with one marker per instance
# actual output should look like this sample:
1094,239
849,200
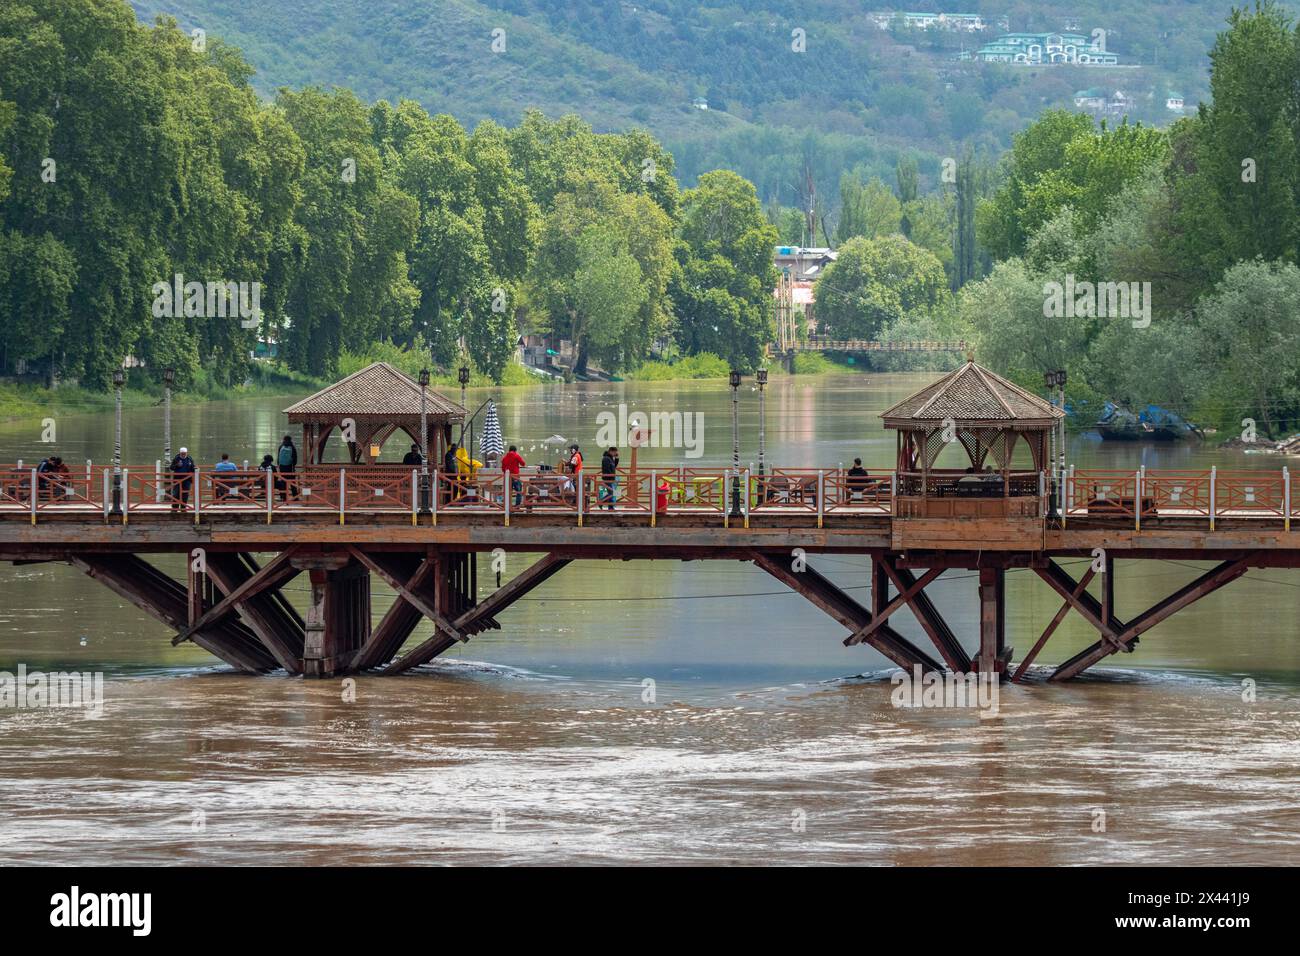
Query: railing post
1286,498
654,497
198,493
157,481
33,489
343,495
726,511
577,484
821,496
126,494
745,498
437,494
893,494
1062,496
415,494
107,494
507,492
1137,500
1042,493
1214,474
270,494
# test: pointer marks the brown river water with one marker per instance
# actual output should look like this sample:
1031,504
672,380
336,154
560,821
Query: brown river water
656,712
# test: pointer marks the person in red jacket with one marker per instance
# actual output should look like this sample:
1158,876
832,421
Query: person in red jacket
510,466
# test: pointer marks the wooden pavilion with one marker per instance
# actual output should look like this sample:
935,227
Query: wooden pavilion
988,416
378,400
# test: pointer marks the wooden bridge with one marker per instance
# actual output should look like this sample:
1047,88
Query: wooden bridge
817,343
344,526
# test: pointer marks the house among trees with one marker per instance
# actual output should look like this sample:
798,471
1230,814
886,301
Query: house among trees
1034,49
970,22
1101,102
1174,102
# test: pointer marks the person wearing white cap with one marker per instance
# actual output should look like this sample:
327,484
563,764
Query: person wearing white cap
183,469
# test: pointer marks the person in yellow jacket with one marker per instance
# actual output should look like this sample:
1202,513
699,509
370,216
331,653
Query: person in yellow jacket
466,468
466,465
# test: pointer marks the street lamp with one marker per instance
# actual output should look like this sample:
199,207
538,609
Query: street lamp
735,443
119,379
169,379
424,442
463,376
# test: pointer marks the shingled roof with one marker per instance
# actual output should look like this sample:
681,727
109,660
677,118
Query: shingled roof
972,395
376,391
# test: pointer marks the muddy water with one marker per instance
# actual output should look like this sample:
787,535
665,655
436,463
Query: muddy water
656,712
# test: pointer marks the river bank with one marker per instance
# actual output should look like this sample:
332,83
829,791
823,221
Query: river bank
25,401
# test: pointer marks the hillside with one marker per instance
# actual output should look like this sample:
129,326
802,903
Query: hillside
856,96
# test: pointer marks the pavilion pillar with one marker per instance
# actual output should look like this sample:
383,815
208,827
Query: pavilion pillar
337,623
993,653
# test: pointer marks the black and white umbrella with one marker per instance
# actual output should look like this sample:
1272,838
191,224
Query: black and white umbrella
491,445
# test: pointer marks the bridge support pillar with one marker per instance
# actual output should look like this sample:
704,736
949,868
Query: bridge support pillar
993,653
338,617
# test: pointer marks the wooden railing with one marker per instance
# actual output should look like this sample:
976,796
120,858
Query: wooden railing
1124,497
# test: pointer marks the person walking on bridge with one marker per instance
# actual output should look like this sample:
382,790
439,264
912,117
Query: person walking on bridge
609,476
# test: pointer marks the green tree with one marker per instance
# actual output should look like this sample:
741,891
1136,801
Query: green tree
874,283
1238,197
722,294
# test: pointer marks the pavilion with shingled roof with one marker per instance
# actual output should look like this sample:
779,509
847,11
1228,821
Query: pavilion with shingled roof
379,400
987,416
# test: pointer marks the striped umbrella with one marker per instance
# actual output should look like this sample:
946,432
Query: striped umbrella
490,444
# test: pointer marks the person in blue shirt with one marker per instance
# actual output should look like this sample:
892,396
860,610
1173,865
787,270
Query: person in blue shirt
226,487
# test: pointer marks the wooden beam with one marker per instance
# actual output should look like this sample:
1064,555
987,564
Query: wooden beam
825,595
279,633
402,617
425,607
1053,625
495,603
905,596
158,595
1083,602
923,609
1207,583
275,573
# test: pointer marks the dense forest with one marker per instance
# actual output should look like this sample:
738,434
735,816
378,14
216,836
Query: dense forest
130,154
136,154
853,96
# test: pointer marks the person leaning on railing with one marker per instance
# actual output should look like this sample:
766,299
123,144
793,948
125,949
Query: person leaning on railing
510,466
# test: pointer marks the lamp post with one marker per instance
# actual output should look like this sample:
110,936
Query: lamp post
1055,379
169,378
119,379
761,378
1060,382
424,442
463,376
735,443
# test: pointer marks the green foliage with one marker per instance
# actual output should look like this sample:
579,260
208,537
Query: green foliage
722,290
875,283
1059,161
701,365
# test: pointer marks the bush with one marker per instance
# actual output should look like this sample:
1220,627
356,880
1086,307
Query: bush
704,365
